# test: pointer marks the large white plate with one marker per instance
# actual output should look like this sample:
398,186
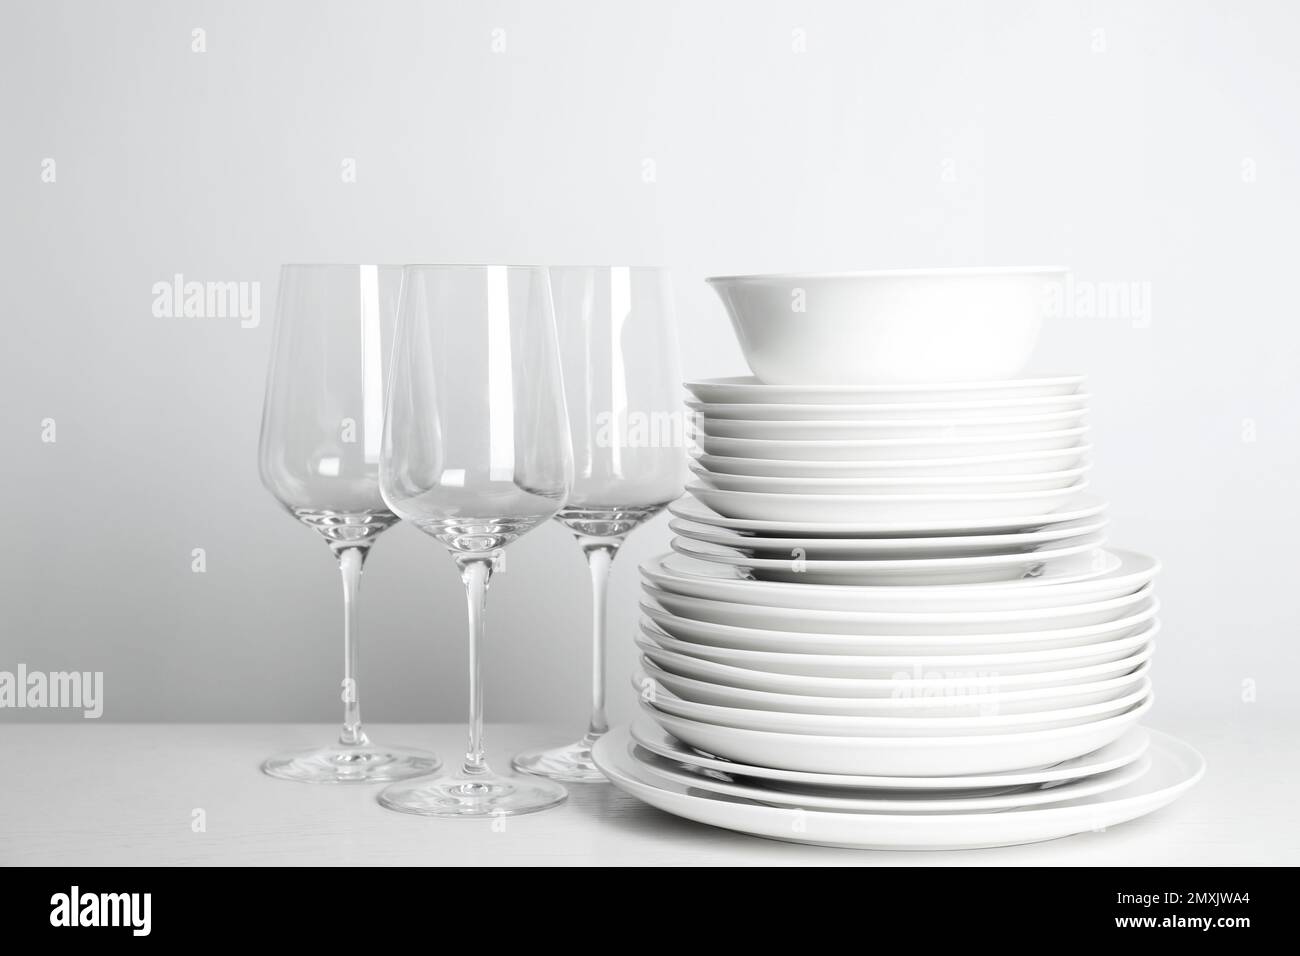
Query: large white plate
881,549
915,684
748,389
895,622
906,411
1020,463
1119,753
891,449
654,643
804,642
1175,767
962,484
1086,506
901,756
1036,700
846,725
842,801
761,506
686,576
938,430
1076,559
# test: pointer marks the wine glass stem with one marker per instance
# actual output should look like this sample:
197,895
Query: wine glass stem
350,562
600,555
476,572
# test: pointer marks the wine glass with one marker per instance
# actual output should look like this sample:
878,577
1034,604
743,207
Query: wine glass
618,350
319,456
475,454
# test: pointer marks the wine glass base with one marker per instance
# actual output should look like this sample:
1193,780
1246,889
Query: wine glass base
472,797
571,763
365,763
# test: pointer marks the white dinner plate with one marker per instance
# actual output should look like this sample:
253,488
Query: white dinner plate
938,430
901,756
881,549
1030,701
1086,506
804,642
881,802
906,411
655,643
891,449
1175,767
982,484
895,622
914,684
661,701
747,389
686,576
1123,752
1020,463
1076,559
923,508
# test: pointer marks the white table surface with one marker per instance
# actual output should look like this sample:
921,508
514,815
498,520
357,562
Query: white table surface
125,794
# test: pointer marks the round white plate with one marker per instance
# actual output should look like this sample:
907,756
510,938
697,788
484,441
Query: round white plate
882,549
747,389
1124,751
1031,701
914,684
890,449
1021,463
1175,767
804,642
889,802
686,576
1076,559
900,756
905,411
865,623
980,485
654,642
661,701
761,506
938,430
1086,506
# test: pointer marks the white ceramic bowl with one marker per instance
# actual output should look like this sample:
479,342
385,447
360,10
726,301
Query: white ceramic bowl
885,328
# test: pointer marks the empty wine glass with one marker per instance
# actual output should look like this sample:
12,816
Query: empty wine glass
475,454
618,349
319,456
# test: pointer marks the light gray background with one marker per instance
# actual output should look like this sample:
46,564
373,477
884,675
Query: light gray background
1163,149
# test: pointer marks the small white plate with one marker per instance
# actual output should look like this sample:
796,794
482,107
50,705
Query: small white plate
661,701
660,647
804,642
882,549
891,449
901,756
895,622
1175,768
747,389
982,484
1086,506
1020,463
1076,559
916,684
1031,701
900,801
939,430
686,576
904,411
1123,752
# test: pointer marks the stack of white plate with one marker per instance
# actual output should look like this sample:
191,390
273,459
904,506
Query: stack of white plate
891,620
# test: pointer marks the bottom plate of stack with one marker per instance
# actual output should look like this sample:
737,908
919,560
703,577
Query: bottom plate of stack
1136,775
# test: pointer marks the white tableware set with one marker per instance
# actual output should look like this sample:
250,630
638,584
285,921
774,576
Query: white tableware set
891,617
